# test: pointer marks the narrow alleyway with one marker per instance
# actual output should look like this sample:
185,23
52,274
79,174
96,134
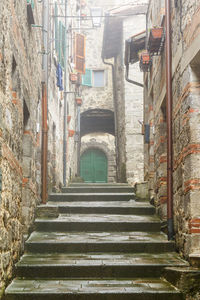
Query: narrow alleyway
95,242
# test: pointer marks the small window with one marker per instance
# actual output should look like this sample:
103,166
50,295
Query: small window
93,78
98,78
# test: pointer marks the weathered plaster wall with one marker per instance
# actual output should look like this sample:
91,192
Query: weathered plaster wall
20,142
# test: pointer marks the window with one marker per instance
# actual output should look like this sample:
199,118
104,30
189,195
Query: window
93,78
98,78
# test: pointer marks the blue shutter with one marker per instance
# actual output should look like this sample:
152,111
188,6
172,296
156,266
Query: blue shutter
87,78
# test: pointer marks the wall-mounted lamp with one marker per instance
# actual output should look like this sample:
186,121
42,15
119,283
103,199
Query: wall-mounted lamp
96,14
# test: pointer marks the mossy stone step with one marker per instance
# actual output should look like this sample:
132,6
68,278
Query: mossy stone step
96,222
97,207
102,265
84,242
91,197
138,289
98,189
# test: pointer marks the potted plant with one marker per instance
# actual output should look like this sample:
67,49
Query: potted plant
156,40
69,118
73,77
71,132
79,101
145,61
156,32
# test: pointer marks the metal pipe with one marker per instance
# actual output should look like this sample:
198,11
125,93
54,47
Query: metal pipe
169,121
65,107
79,139
44,143
45,102
132,81
115,113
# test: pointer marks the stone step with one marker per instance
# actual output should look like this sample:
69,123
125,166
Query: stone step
84,242
102,207
98,189
95,265
96,222
111,184
91,197
137,289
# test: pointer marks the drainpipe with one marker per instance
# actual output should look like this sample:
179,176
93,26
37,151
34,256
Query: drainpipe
45,100
115,113
79,139
131,81
65,106
169,121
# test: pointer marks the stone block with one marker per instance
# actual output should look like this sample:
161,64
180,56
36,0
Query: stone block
27,145
142,191
27,167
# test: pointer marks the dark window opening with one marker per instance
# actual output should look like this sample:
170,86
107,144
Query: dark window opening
26,115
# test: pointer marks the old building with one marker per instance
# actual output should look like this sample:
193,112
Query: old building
185,45
85,91
20,126
127,97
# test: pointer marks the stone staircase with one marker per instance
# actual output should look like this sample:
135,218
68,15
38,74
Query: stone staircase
95,242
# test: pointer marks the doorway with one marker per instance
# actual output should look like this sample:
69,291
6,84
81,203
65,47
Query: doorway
93,166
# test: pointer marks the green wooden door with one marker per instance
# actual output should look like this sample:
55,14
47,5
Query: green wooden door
94,166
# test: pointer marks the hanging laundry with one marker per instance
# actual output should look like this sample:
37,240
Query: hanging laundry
59,77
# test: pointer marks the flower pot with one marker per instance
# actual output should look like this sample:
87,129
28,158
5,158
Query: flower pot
145,61
156,41
69,118
157,32
73,77
79,101
71,132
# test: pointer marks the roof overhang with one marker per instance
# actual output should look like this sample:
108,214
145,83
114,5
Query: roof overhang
133,46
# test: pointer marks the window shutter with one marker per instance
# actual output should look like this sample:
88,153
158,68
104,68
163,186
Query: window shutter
146,133
80,53
87,78
31,2
56,29
63,47
60,42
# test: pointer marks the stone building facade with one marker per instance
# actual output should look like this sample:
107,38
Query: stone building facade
185,16
20,127
125,21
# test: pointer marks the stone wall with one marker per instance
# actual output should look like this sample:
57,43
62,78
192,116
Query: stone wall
134,108
20,136
186,82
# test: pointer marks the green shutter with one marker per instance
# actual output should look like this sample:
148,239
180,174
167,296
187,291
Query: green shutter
60,42
56,29
63,47
87,78
31,2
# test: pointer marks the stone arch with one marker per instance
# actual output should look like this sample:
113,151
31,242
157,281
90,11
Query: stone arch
110,154
97,120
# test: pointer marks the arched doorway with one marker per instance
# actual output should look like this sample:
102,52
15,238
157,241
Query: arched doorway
93,166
